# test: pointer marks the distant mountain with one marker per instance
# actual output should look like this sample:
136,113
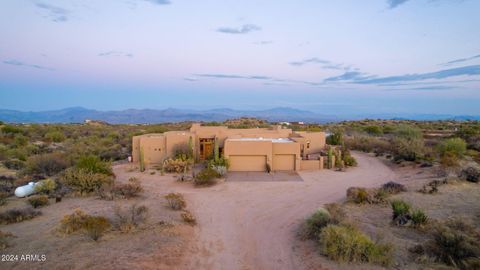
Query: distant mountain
135,116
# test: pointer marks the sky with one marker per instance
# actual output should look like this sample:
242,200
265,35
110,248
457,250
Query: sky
333,57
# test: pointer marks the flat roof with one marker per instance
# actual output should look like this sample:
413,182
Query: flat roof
260,139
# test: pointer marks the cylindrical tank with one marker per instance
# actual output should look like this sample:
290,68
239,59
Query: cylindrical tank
26,190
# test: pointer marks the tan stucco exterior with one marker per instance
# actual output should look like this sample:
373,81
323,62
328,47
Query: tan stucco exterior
247,149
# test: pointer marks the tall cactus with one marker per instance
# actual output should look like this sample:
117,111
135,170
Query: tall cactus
190,147
330,157
142,160
216,150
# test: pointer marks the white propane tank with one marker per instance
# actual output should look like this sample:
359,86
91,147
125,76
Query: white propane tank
26,190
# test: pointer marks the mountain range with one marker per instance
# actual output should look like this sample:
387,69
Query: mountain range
141,116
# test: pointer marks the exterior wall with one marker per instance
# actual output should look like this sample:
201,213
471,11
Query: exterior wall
157,147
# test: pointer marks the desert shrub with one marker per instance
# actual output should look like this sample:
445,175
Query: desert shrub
96,226
83,181
3,197
130,218
46,164
46,186
4,239
188,217
315,223
401,212
177,165
348,244
408,143
206,177
380,196
20,141
14,164
419,218
373,130
38,201
73,222
337,213
175,201
393,188
55,136
455,146
471,174
336,138
348,159
18,215
94,164
359,195
453,246
11,130
220,165
129,190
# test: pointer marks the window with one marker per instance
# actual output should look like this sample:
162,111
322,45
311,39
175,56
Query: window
308,144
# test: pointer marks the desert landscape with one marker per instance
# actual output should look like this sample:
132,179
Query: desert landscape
242,220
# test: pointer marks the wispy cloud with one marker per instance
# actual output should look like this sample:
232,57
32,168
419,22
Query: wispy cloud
442,74
349,76
115,54
244,29
263,42
426,88
325,64
159,2
54,13
395,3
233,76
461,60
22,64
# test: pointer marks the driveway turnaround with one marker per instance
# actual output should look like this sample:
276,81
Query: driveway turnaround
249,224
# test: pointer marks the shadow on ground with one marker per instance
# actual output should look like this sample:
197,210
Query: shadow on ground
263,177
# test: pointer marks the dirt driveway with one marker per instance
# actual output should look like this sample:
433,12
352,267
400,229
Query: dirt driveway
251,225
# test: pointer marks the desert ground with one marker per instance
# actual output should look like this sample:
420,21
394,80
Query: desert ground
245,223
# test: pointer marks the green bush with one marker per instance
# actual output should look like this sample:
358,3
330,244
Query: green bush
359,195
46,187
94,164
10,130
315,223
3,197
419,218
84,181
96,226
55,136
20,140
175,201
401,212
373,130
18,215
38,201
206,177
46,164
14,164
454,146
347,244
4,239
408,143
336,138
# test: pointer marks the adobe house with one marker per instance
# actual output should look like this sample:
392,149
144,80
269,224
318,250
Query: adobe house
246,149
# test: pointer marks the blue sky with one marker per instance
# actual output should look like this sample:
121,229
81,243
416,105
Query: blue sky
336,57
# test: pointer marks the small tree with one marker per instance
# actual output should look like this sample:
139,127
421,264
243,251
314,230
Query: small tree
454,146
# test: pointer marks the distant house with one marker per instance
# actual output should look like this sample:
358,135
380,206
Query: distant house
247,149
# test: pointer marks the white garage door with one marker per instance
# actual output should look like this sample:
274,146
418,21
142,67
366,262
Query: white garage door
248,163
284,162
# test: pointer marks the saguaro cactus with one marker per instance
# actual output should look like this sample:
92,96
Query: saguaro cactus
216,150
142,160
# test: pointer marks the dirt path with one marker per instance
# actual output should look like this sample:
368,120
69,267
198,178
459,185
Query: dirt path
245,225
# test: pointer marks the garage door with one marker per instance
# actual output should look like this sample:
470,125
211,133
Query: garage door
248,163
284,162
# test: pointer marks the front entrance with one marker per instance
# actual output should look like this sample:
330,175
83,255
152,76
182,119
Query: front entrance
206,148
